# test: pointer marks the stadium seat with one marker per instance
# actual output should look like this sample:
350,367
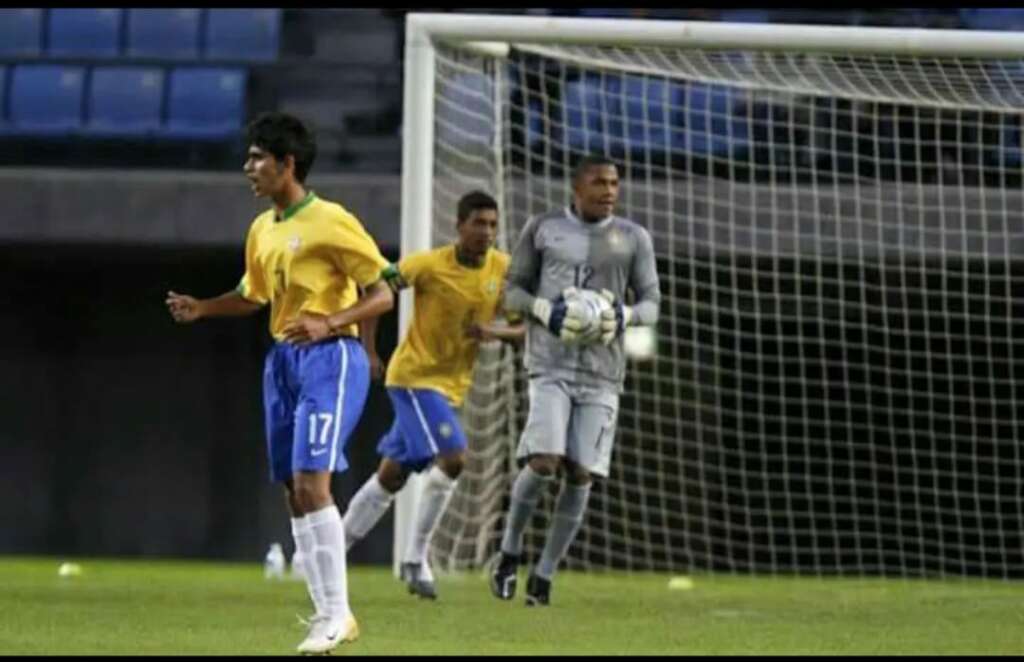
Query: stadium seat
711,128
124,101
606,12
3,99
1012,145
648,105
46,99
534,124
84,32
581,107
242,34
745,16
171,34
205,103
465,114
21,32
993,19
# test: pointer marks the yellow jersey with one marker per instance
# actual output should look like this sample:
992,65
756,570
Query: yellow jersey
309,260
448,298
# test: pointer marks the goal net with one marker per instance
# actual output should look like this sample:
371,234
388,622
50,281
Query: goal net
840,242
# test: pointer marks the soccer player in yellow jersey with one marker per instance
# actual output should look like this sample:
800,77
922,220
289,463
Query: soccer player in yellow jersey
308,258
457,293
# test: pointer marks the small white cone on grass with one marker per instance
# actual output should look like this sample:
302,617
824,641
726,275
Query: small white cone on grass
69,570
680,584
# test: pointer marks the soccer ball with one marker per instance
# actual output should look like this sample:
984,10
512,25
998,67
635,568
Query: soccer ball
588,307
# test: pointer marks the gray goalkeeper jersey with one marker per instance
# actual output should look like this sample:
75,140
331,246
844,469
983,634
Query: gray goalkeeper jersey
557,250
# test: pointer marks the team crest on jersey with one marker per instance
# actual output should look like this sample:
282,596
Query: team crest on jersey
294,243
445,429
492,286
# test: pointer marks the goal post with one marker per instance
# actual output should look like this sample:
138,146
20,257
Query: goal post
801,261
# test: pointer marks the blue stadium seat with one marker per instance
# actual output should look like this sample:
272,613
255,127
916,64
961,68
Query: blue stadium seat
1012,146
46,99
710,126
3,99
745,16
84,32
21,32
605,12
205,103
583,123
647,113
242,34
125,101
993,19
171,34
465,114
534,124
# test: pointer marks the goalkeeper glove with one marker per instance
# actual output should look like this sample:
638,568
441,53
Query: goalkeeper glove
615,319
561,317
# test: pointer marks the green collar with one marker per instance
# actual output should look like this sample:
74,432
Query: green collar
296,208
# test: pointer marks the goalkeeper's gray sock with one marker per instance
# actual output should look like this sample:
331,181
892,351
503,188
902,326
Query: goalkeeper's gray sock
526,491
568,516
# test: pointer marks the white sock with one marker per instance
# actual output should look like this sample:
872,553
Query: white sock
328,557
437,492
365,510
303,537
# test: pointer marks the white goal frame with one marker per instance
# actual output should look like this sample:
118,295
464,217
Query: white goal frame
493,35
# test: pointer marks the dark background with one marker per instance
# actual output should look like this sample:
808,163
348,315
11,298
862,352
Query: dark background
126,434
841,418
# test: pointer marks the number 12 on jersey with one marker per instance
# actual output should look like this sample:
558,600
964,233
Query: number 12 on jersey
583,274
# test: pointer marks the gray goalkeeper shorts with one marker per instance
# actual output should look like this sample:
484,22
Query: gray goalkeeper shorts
570,420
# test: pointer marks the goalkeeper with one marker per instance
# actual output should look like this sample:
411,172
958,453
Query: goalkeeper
574,386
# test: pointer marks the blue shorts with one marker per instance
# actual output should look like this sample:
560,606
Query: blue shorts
425,426
313,396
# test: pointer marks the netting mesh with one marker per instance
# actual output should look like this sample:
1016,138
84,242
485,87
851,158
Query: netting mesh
842,329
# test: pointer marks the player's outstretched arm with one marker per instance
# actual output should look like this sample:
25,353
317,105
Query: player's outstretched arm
185,309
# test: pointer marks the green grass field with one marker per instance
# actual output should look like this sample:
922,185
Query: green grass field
173,607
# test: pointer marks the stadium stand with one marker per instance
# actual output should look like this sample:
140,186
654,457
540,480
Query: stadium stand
46,99
21,32
583,122
171,34
648,127
124,101
242,34
993,19
322,51
205,103
84,32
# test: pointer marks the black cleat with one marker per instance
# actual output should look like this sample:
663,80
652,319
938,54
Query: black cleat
538,591
410,574
503,579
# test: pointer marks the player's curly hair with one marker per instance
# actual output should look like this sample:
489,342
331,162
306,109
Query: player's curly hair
282,134
471,202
